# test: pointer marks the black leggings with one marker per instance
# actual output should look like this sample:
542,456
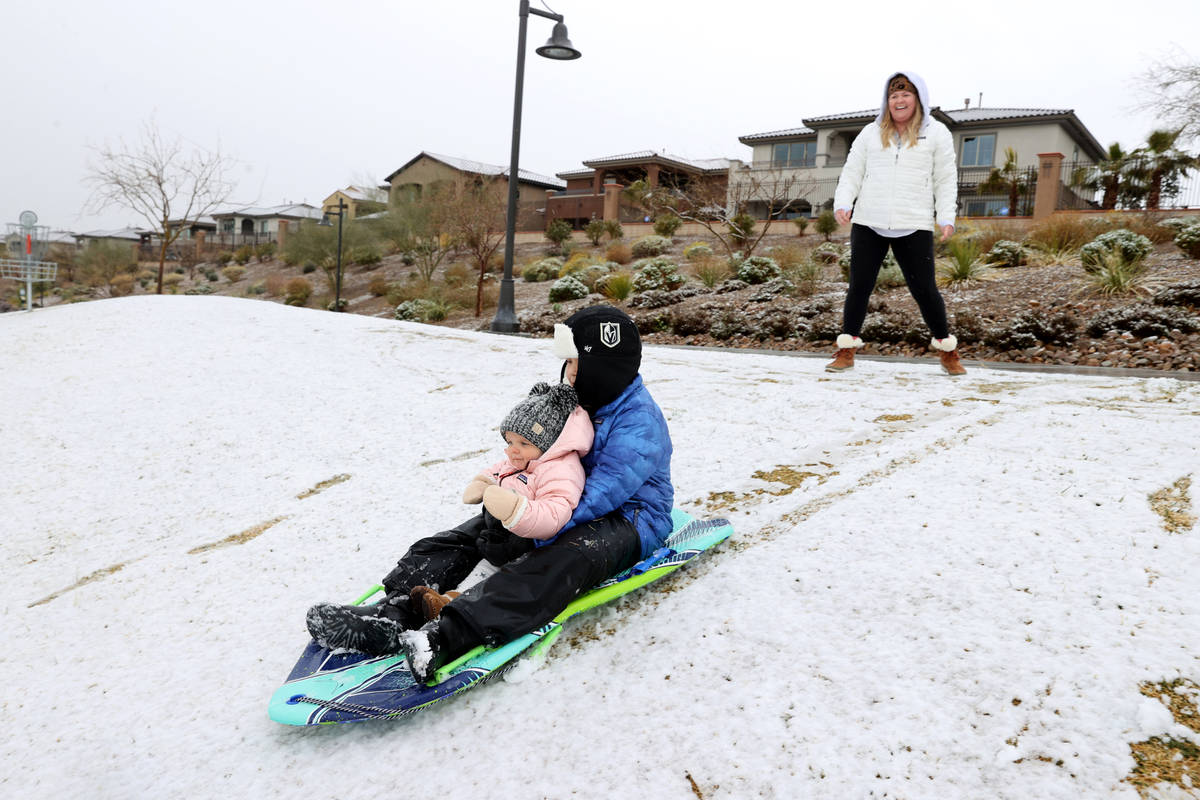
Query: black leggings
915,256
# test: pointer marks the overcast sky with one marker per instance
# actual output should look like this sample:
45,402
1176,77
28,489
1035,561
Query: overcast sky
310,97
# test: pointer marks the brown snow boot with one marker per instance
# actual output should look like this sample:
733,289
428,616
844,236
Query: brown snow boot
952,364
843,359
429,601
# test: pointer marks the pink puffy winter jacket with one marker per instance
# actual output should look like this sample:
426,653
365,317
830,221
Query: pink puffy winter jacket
553,483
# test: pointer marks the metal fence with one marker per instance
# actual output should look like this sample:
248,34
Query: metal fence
1130,185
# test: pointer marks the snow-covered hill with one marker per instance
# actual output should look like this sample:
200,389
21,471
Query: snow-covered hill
936,589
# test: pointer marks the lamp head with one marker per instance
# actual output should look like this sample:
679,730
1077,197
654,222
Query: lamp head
559,47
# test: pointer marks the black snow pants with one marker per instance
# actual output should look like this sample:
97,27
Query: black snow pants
526,592
914,254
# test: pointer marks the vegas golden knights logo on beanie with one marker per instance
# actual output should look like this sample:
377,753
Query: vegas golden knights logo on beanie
610,334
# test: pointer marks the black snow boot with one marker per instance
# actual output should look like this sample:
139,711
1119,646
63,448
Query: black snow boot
425,650
354,628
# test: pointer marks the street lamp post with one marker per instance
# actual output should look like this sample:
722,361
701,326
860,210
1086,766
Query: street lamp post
341,213
558,48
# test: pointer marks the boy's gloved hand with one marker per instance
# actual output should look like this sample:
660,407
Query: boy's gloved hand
474,491
504,504
499,546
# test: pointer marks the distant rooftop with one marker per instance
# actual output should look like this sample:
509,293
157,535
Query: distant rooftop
480,168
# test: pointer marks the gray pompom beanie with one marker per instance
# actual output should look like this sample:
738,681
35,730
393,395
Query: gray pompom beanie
540,416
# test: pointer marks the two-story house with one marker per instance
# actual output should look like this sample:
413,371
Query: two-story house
815,152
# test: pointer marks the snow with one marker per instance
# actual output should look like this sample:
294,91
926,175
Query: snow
959,600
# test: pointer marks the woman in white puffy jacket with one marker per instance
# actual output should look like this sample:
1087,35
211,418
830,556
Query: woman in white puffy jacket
899,186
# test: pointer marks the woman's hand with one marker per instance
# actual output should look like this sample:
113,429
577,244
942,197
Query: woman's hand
947,232
842,216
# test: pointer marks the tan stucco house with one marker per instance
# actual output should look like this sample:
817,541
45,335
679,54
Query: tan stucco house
816,151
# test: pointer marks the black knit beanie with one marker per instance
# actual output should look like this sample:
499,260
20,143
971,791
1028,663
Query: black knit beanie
540,416
606,342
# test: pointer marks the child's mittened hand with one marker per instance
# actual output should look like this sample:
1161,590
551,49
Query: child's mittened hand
504,504
474,491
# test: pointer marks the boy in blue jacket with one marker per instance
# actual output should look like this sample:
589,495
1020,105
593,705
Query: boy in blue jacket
623,516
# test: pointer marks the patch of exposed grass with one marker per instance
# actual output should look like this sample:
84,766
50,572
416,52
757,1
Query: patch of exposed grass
238,538
85,580
792,477
323,485
1174,505
1163,759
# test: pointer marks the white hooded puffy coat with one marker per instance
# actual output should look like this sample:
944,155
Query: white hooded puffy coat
899,187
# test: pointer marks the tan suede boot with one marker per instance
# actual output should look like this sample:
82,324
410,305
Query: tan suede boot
843,359
948,353
429,601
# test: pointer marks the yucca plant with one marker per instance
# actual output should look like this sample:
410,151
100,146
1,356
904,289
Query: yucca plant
711,270
1115,274
963,264
617,286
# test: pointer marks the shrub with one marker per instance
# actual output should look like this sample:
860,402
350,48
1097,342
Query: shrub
122,284
296,292
1176,224
801,224
337,305
243,254
364,255
827,224
171,279
619,252
575,263
690,321
1007,253
741,228
457,275
665,225
211,276
729,323
568,288
595,231
256,289
1142,320
1031,328
543,270
828,253
758,269
1188,239
804,277
558,232
274,285
711,270
655,298
222,258
893,329
1180,294
1113,274
650,246
233,274
696,251
616,285
788,256
265,250
657,273
309,268
775,323
589,276
614,229
423,309
1060,235
1130,247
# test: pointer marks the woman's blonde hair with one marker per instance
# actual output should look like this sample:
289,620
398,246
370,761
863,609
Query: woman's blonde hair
908,136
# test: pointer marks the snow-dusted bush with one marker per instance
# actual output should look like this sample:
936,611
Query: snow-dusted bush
1131,247
1007,253
1179,294
203,288
696,251
1142,319
1188,239
543,270
650,246
758,269
656,273
829,252
1031,328
568,288
421,309
1176,224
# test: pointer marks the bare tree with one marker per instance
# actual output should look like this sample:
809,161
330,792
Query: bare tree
1170,88
723,206
475,216
160,181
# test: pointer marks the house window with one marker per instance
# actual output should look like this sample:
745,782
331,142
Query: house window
226,226
978,151
264,226
794,154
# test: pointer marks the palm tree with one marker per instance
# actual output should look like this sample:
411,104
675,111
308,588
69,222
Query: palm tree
1009,179
1110,175
1165,164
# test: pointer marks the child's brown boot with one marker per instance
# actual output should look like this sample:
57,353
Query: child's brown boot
948,352
429,601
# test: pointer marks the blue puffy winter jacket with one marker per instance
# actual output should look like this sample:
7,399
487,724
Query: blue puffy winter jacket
629,467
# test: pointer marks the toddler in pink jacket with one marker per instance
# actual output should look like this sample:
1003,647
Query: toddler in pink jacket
532,491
